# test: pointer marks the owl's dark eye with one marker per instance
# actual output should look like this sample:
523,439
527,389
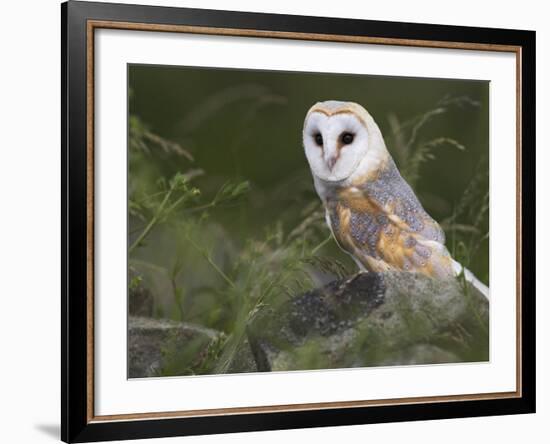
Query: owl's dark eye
347,138
318,139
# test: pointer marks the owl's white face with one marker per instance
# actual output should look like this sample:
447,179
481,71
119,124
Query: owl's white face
334,144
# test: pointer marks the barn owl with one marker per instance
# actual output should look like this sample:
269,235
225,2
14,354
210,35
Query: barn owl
374,215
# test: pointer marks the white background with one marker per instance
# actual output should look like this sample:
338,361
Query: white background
29,227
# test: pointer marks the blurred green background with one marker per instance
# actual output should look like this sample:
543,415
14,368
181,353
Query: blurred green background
243,205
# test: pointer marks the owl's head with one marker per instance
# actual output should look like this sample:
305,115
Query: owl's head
339,140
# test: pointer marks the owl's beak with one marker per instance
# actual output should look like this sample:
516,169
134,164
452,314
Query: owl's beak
331,161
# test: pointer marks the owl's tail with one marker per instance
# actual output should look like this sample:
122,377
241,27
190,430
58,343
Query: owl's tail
470,277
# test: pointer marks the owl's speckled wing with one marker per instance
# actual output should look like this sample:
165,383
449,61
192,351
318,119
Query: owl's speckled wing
384,227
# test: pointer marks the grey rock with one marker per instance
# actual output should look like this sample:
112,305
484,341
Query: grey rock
243,361
162,347
373,319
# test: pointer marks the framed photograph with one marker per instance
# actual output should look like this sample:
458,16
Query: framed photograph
276,221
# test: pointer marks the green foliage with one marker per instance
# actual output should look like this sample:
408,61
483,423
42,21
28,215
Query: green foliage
135,282
468,226
261,271
173,195
409,149
190,239
142,139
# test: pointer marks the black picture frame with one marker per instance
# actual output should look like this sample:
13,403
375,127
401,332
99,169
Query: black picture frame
76,423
